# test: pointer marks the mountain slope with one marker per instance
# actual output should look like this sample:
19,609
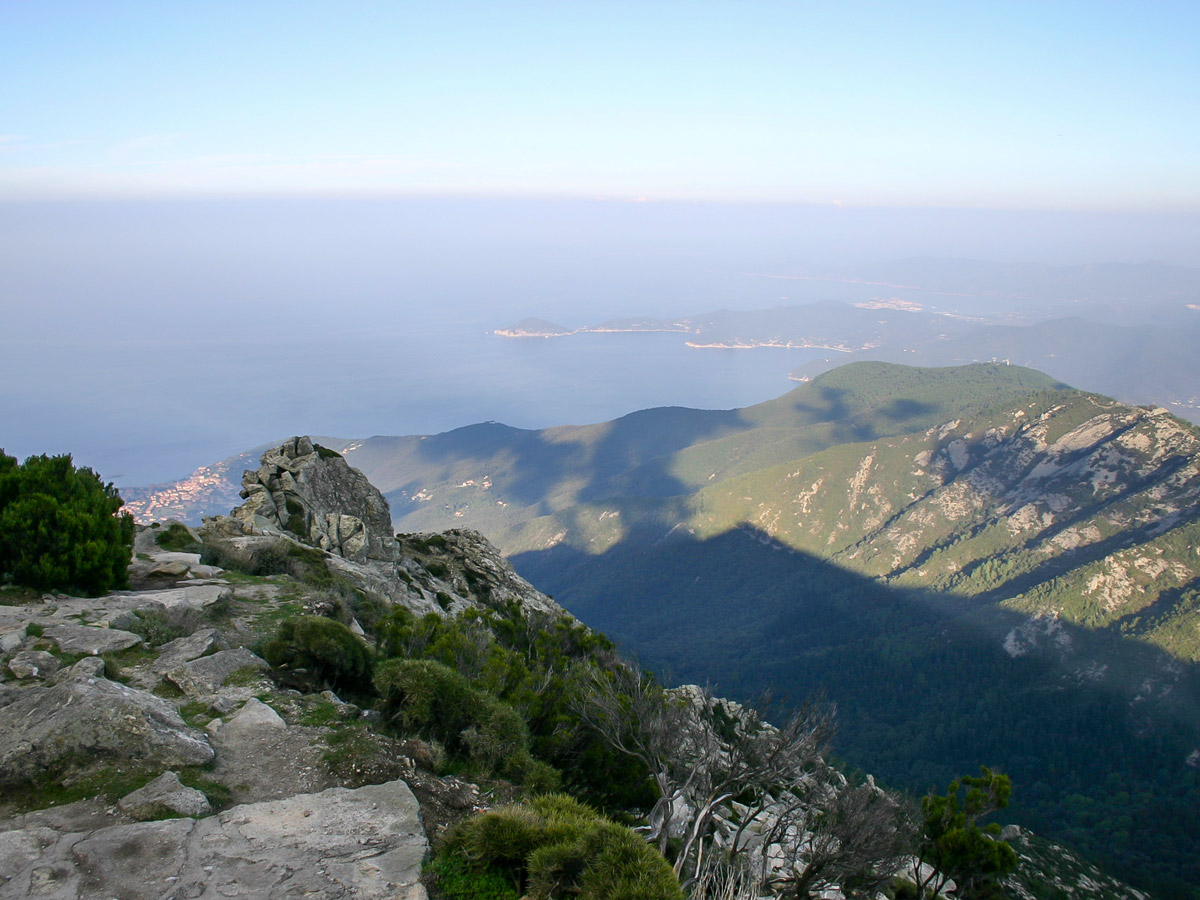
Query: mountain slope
979,564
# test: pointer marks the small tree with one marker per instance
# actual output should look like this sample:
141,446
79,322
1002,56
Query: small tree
838,835
953,844
61,527
702,752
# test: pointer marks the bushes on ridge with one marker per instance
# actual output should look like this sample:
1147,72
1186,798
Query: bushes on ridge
438,702
319,653
60,527
554,846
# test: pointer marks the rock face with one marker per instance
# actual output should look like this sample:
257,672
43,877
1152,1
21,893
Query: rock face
87,716
306,491
162,797
366,843
205,675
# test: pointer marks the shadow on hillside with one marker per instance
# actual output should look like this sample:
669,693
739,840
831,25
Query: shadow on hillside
596,462
924,688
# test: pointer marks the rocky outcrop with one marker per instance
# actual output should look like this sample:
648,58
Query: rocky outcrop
207,674
466,567
367,843
311,493
86,716
163,797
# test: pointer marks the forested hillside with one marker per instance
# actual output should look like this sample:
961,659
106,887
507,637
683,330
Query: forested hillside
978,564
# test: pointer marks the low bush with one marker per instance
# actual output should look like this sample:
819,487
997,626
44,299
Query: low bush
61,527
456,879
177,537
556,847
157,627
425,697
316,653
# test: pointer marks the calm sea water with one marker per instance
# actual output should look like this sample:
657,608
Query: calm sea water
153,411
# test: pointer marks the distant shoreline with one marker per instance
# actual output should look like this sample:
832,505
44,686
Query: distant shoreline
801,344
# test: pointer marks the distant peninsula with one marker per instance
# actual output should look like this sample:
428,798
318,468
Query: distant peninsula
540,328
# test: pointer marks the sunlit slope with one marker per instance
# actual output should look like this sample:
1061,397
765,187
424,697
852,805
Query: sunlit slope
1068,504
498,478
981,481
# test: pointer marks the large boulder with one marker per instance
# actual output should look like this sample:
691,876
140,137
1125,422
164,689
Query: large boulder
87,717
164,797
204,676
91,639
311,493
367,843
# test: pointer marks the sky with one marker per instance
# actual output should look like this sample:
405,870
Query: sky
225,222
1043,105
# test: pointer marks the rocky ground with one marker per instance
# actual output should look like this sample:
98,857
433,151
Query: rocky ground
145,752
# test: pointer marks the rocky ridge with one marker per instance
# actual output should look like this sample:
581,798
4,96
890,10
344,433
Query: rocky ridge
150,707
146,710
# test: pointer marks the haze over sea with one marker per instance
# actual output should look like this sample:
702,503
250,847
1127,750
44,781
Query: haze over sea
148,338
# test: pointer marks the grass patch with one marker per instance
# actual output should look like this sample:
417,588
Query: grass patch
245,675
168,691
77,780
14,595
196,713
455,879
320,713
219,795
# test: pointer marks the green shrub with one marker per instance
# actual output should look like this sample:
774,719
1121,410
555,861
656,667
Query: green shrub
276,557
329,654
457,879
555,846
425,696
156,627
61,527
177,537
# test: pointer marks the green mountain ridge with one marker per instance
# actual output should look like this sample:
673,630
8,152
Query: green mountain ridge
977,564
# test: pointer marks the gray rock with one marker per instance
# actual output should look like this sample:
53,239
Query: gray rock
84,669
201,597
169,569
163,796
254,715
368,843
85,716
182,650
205,675
33,664
11,637
90,639
319,499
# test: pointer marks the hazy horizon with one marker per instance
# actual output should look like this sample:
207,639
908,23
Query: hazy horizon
223,223
152,337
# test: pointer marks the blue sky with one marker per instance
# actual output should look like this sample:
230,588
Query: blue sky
1047,105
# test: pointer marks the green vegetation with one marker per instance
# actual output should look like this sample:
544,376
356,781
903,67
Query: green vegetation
60,527
923,691
953,844
492,688
553,847
457,879
157,627
177,537
320,654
